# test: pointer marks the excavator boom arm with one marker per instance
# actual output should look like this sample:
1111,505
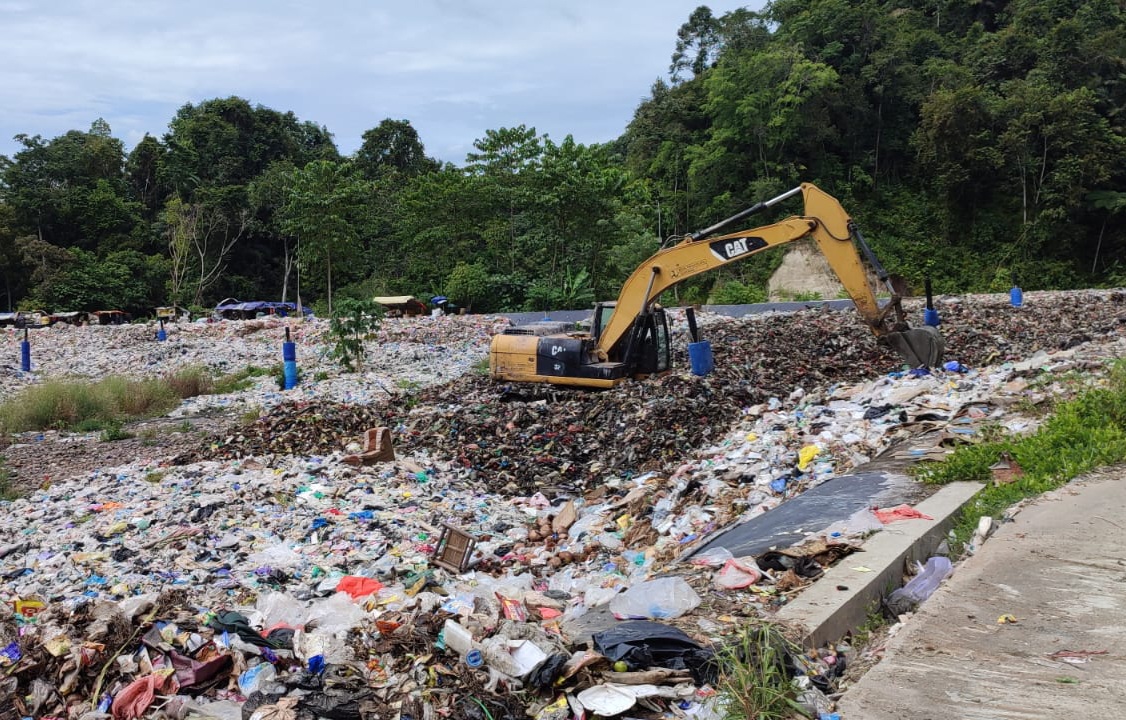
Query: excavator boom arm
824,220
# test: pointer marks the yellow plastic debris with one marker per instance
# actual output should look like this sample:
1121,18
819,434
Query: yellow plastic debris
806,455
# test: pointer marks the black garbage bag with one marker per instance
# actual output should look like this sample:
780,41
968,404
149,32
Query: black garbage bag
282,638
780,562
237,623
544,675
336,704
643,644
259,699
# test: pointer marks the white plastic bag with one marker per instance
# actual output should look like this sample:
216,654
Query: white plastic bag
920,587
668,597
256,678
335,615
715,557
276,556
278,608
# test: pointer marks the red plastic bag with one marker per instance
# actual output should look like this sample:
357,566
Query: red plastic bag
358,587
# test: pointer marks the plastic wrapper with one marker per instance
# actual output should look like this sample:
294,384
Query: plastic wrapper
716,557
668,597
277,556
278,608
335,615
737,574
920,587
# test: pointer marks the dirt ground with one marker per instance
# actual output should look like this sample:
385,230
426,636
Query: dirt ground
1059,569
36,459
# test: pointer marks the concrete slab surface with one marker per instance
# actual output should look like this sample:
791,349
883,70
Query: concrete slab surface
839,601
818,508
1060,569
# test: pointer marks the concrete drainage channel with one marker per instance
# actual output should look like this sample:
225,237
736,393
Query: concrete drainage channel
839,601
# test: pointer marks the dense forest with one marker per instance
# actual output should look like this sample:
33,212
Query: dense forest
974,140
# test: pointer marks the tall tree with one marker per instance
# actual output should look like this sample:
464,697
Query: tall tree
697,43
322,211
393,146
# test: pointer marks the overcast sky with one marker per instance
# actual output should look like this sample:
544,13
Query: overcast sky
454,68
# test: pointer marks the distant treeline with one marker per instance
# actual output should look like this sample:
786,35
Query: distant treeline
973,141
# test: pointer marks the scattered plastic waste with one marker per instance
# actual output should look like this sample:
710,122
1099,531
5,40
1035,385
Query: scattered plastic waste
663,598
920,587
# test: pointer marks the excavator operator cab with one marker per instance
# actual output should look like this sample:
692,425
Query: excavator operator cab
603,311
646,347
652,348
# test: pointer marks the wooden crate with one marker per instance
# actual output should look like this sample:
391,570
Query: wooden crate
454,550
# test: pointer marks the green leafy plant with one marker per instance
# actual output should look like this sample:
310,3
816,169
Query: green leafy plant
115,431
753,682
734,292
468,284
354,322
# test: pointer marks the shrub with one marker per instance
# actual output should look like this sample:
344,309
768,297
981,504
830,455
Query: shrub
61,404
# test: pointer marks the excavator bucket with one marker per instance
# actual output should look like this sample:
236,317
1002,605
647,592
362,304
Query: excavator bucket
919,347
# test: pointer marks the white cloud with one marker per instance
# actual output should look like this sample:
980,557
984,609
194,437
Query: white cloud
454,68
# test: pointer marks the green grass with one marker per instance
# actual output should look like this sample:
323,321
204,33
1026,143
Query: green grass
114,432
7,492
63,404
753,682
240,380
191,381
85,406
198,380
1082,434
874,620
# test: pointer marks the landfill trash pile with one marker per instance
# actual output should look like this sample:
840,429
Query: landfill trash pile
523,437
424,350
267,579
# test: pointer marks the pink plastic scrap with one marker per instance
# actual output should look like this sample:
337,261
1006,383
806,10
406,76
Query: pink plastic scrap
899,512
134,700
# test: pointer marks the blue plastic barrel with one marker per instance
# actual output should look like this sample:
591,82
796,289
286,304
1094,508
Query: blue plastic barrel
930,317
700,356
25,355
161,335
289,355
1016,297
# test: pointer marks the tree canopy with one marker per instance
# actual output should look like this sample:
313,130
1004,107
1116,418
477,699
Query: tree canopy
971,141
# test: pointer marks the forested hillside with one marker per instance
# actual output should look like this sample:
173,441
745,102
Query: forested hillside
971,139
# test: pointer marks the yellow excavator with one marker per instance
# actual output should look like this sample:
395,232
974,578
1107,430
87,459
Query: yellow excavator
629,338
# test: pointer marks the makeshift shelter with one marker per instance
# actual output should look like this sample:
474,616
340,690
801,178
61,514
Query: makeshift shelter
231,309
110,317
401,305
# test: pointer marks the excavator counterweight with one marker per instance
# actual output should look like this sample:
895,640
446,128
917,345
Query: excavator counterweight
629,338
